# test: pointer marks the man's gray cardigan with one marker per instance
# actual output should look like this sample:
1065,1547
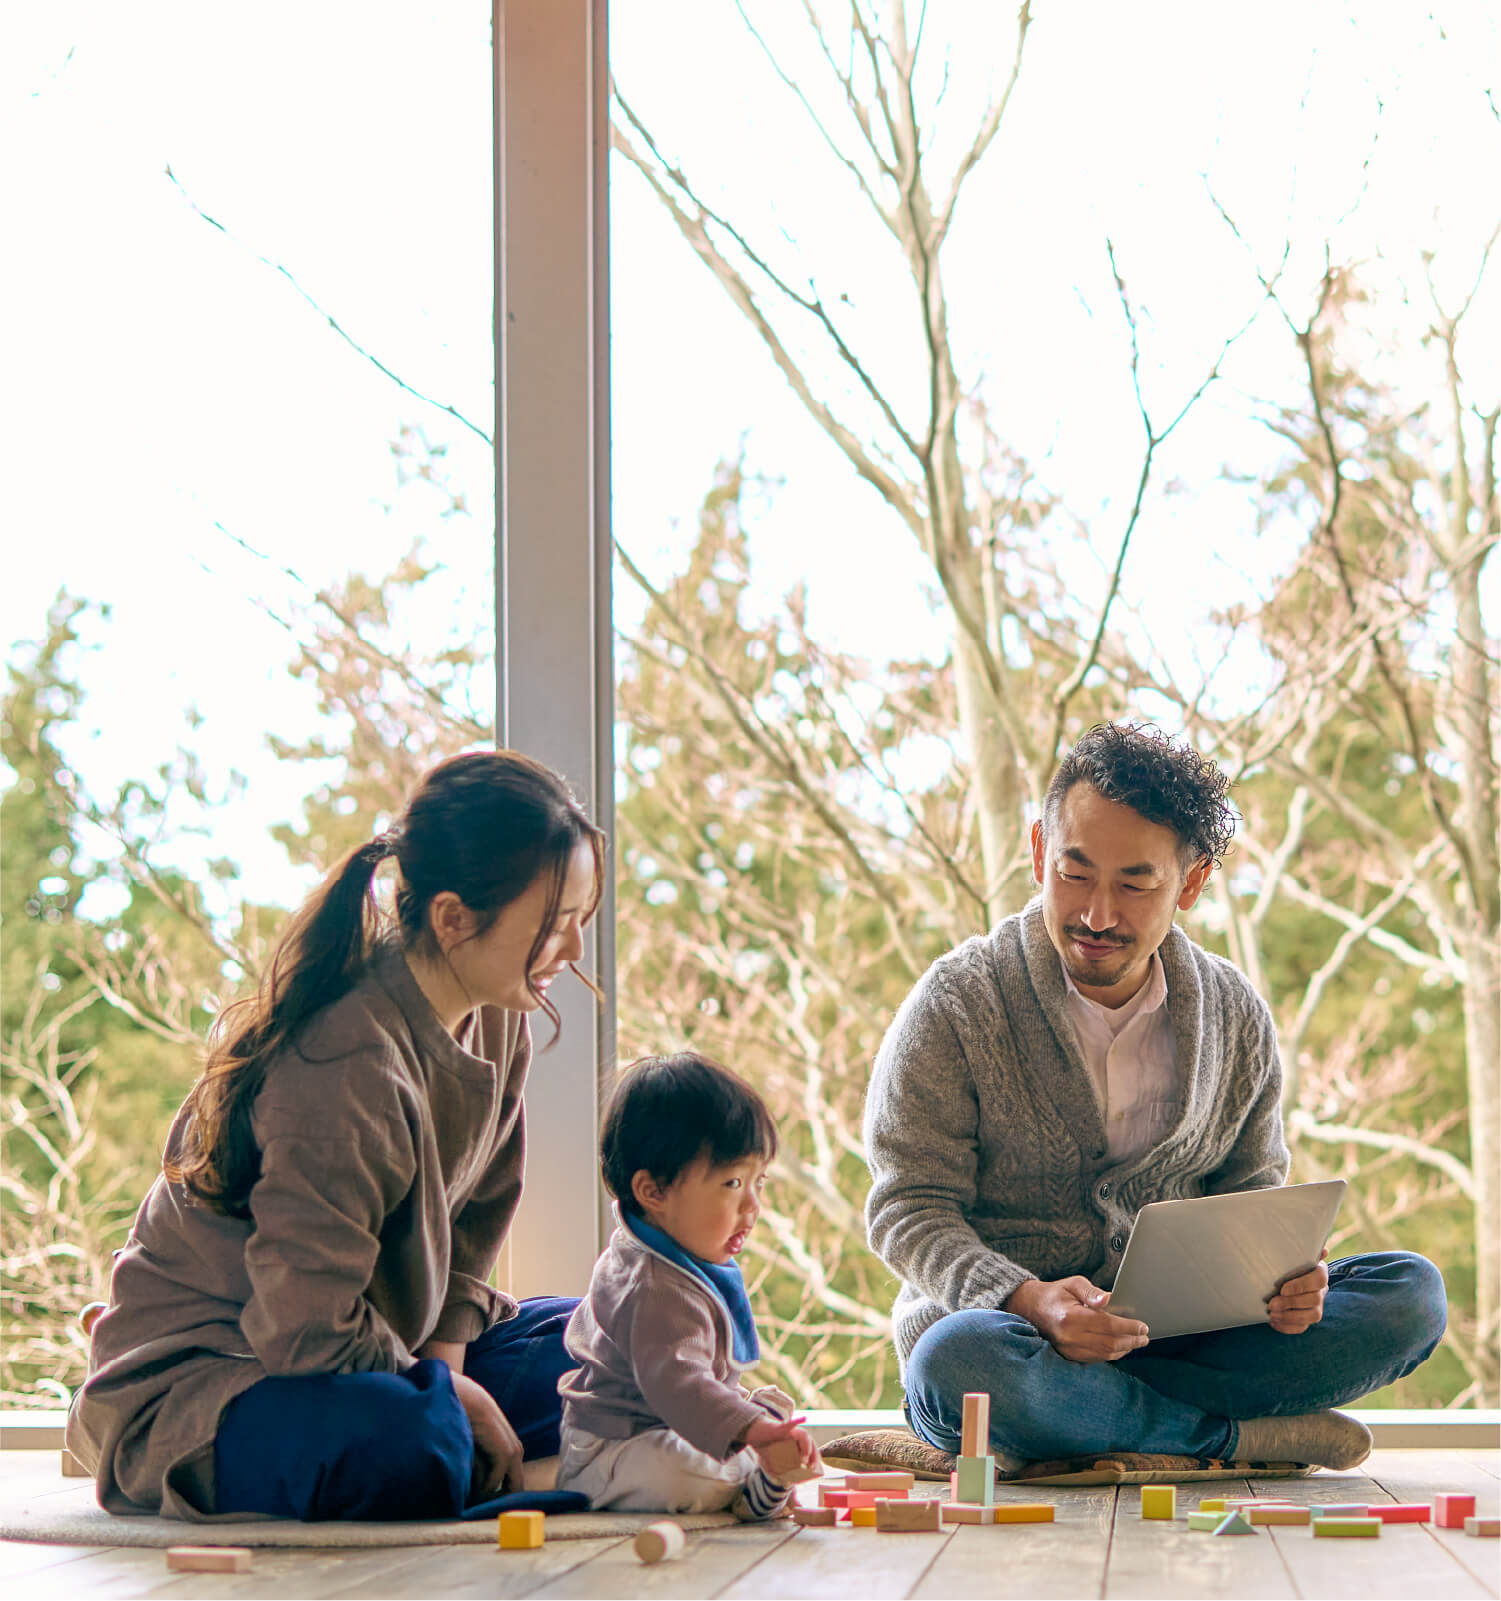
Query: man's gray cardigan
986,1144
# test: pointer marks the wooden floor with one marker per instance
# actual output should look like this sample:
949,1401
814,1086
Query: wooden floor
1098,1547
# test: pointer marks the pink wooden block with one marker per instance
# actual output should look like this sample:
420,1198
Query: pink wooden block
1451,1509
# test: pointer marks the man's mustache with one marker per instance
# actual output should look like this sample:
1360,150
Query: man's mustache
1075,932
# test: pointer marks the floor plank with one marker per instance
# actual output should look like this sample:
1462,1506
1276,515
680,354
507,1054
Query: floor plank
1098,1546
1162,1561
1047,1561
1401,1563
475,1570
843,1561
28,1556
1420,1475
715,1559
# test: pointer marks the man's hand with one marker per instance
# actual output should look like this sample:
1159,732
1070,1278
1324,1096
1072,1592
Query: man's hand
497,1451
1071,1316
767,1431
1298,1303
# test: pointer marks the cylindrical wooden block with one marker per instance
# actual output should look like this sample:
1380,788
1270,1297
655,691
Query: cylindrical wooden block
661,1542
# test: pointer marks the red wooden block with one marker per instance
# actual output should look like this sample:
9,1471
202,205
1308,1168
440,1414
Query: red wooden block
854,1498
1402,1512
834,1498
1451,1509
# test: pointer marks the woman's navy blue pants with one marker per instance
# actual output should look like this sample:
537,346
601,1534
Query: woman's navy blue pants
384,1447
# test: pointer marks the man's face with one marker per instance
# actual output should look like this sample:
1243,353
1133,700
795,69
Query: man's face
1111,882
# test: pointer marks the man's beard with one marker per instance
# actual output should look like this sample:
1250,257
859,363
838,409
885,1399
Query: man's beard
1089,974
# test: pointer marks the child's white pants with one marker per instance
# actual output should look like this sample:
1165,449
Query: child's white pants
657,1471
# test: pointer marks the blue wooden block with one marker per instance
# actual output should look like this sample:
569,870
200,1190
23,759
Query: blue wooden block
976,1480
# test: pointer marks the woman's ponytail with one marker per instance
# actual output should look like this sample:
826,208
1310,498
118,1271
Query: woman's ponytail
317,960
484,825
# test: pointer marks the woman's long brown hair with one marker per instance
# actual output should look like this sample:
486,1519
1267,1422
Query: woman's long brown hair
484,825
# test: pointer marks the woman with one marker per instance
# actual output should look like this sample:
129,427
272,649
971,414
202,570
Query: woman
300,1323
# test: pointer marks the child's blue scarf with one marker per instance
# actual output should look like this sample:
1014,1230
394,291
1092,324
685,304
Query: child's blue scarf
723,1280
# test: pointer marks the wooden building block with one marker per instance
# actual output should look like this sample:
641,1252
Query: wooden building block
1207,1522
907,1517
1343,1509
954,1485
1484,1528
1023,1512
863,1517
1234,1523
73,1468
659,1542
976,1481
1346,1528
815,1517
879,1481
1402,1512
1451,1509
1159,1501
828,1496
964,1512
974,1431
519,1531
208,1559
868,1498
784,1462
1212,1503
1260,1516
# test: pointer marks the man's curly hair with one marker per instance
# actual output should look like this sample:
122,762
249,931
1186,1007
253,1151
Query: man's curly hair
1137,765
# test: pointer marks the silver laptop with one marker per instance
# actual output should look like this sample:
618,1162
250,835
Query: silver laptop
1211,1263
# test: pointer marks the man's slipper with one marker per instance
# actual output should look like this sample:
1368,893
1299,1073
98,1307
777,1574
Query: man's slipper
900,1448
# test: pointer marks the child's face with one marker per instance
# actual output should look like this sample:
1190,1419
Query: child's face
709,1211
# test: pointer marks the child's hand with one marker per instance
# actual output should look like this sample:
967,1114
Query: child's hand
767,1431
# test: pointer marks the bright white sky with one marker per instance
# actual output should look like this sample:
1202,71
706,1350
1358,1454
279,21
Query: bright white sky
160,379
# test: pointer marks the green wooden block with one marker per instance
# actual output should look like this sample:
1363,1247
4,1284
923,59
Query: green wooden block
1206,1522
976,1485
1347,1528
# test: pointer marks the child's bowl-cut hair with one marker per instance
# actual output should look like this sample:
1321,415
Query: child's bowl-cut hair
668,1111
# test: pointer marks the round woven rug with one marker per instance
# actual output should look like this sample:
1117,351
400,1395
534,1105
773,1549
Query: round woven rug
74,1517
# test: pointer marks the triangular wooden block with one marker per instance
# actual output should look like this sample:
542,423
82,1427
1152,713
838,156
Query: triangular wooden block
1234,1523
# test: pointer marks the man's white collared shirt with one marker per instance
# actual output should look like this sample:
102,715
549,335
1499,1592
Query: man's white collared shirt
1132,1064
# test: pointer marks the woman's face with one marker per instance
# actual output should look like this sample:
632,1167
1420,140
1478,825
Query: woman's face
492,967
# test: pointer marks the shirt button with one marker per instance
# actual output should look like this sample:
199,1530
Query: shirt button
1118,1243
1104,1192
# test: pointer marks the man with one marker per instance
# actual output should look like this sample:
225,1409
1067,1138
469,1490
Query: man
1042,1083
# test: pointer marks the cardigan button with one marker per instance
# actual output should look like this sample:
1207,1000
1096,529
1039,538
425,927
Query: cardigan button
1118,1243
1104,1192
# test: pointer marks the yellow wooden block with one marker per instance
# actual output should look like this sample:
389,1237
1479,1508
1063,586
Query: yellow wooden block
863,1517
1024,1512
1212,1503
520,1531
1159,1500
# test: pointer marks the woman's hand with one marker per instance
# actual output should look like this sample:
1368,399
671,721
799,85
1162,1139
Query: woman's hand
497,1451
767,1431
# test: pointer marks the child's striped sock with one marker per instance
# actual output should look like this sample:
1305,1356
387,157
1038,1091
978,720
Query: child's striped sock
761,1497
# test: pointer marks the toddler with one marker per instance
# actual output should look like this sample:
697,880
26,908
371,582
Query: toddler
654,1419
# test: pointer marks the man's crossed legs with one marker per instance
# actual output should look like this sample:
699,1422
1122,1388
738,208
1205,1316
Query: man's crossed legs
1189,1396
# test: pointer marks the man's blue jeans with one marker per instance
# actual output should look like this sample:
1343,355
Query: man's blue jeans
1384,1314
